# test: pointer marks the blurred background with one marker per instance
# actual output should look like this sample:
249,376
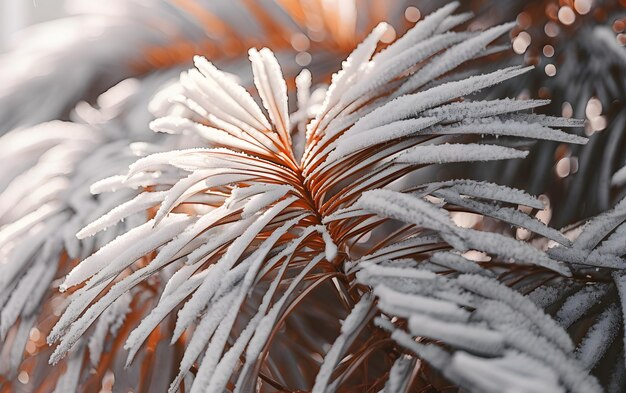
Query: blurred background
17,14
